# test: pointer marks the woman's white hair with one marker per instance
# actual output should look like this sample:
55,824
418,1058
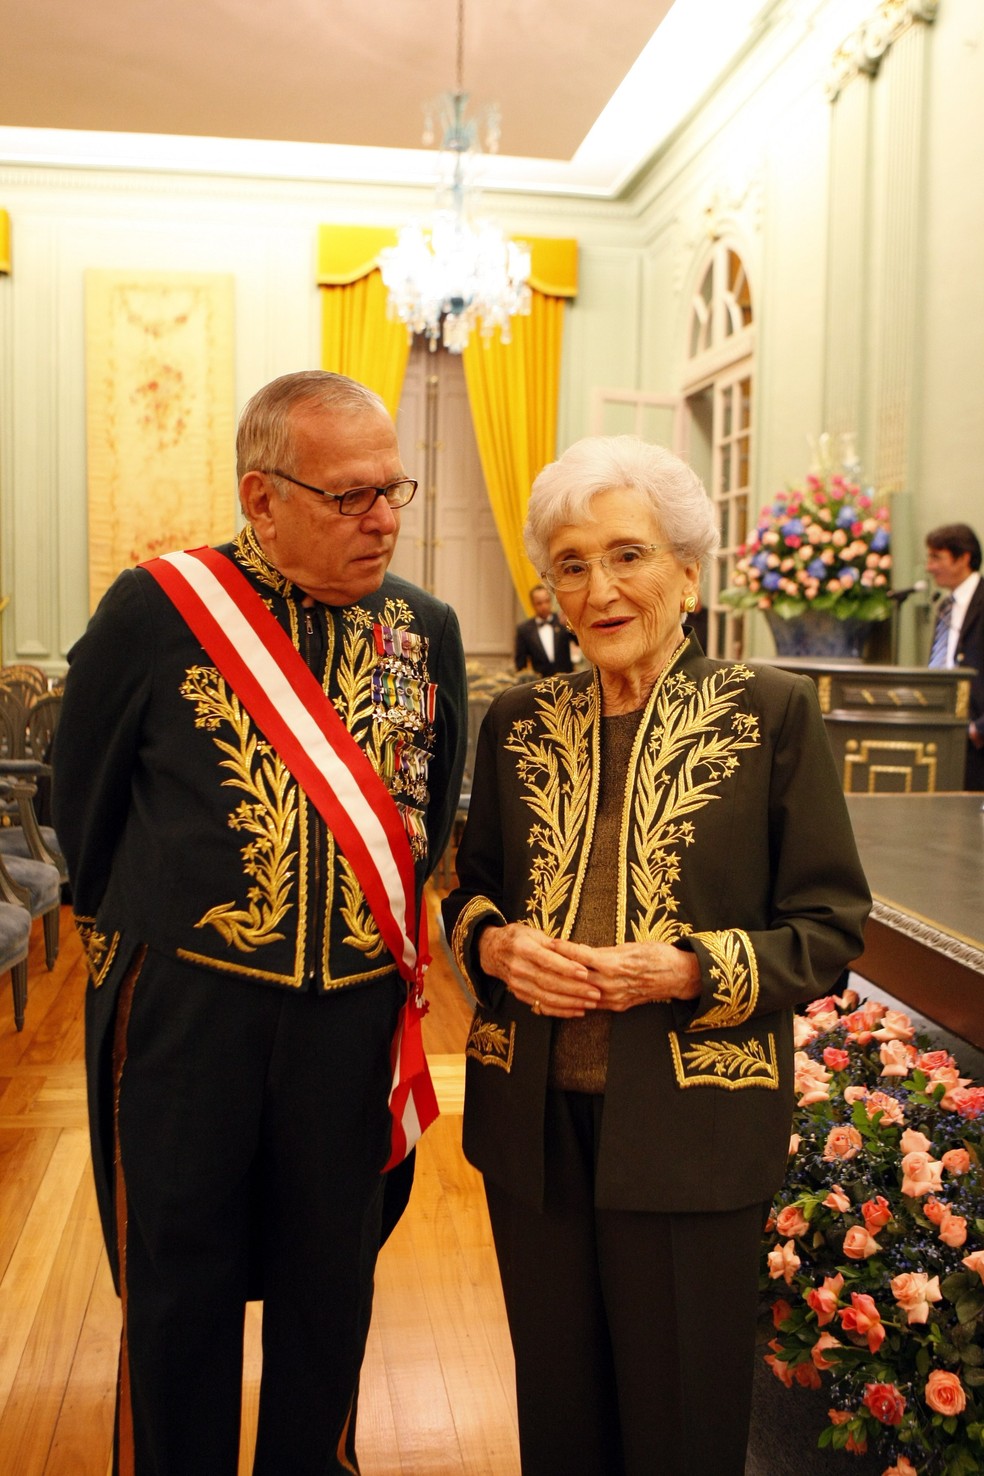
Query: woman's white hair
564,489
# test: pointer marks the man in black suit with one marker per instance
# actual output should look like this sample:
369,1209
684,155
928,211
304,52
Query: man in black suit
953,558
543,642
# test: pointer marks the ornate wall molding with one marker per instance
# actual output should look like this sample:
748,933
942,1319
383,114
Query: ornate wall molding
864,49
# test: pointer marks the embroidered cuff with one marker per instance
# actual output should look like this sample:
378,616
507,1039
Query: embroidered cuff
474,911
729,960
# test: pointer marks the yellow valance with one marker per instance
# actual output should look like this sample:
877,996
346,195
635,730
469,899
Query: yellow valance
4,241
348,252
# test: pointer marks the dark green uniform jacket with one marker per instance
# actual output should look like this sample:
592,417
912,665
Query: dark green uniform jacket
182,829
735,843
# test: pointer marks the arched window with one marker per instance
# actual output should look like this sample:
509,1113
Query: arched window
719,398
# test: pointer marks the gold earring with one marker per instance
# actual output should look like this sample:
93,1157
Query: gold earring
690,604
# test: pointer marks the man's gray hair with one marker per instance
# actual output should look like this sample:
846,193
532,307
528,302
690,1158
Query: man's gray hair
564,489
264,439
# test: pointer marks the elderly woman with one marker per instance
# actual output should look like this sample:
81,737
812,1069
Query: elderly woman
657,868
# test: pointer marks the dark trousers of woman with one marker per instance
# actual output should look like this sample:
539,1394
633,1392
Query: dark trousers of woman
633,1333
251,1127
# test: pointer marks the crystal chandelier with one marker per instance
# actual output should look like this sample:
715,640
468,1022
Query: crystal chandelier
457,271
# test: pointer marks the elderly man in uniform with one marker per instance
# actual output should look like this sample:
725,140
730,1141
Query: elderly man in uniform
261,747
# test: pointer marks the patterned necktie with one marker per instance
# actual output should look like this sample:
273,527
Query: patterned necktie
941,635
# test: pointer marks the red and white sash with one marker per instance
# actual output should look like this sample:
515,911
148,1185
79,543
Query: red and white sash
287,703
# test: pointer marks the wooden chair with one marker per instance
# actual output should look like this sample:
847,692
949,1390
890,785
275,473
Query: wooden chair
15,936
25,682
31,881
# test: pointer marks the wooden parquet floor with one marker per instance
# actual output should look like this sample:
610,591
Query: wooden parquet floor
437,1385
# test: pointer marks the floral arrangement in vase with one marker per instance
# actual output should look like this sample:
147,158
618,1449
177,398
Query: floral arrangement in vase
874,1252
824,546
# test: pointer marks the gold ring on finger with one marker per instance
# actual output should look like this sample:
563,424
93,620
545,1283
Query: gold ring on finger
536,1007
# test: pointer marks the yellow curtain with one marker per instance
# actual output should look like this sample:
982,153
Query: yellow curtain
4,241
513,391
357,338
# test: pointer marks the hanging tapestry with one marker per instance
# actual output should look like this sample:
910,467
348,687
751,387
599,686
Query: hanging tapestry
160,416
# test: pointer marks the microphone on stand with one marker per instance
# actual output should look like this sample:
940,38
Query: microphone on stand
903,594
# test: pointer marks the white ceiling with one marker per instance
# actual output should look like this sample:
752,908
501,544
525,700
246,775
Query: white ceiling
326,74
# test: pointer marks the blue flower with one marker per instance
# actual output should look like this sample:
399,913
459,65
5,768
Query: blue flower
846,572
879,542
816,569
793,528
760,560
846,516
771,579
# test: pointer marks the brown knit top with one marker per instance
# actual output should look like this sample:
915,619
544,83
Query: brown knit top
579,1048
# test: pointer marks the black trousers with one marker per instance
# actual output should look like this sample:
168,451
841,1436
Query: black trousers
633,1333
252,1126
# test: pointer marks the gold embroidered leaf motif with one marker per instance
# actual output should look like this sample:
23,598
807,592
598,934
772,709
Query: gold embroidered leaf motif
489,1038
736,979
693,748
725,1058
555,771
250,555
268,816
354,705
363,933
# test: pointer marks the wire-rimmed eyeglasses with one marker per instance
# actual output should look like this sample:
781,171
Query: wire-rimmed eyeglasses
358,500
621,563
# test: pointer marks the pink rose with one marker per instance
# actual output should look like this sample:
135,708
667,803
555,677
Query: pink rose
783,1261
902,1467
790,1221
896,1057
951,1079
975,1262
863,1318
837,1199
780,1311
794,1142
914,1291
819,1350
953,1230
823,1299
808,1376
836,1059
934,1211
913,1142
876,1213
859,1245
779,1365
843,1142
889,1108
822,1006
956,1161
921,1174
885,1403
854,1094
945,1393
930,1060
803,1032
895,1026
967,1100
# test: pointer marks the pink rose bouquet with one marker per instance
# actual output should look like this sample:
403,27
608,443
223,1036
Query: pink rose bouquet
873,1261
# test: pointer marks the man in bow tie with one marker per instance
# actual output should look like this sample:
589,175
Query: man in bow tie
543,642
953,558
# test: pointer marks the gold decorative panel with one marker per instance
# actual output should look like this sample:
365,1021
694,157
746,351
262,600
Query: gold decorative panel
884,766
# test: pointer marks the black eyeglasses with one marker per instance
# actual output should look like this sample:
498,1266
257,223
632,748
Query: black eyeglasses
358,500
